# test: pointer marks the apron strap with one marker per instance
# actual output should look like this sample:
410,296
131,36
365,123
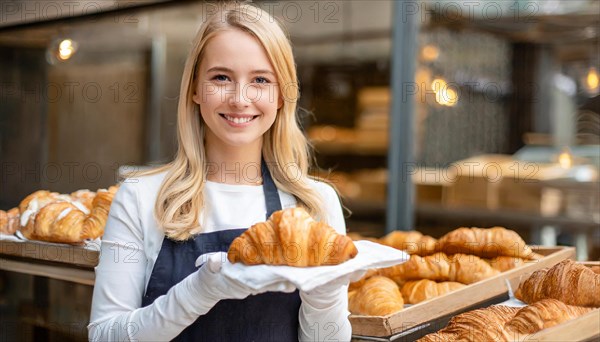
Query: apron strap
272,200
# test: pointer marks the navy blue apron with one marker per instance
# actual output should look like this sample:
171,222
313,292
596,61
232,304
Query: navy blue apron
271,316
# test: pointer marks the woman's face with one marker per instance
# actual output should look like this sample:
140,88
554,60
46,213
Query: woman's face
237,90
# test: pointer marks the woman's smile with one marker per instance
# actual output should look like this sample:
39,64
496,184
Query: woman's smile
237,120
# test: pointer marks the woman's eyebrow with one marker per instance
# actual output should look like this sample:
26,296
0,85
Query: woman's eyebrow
224,69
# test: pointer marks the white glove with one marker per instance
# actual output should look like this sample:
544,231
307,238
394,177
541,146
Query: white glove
215,286
326,292
324,311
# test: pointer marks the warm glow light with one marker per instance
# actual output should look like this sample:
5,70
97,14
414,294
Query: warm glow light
592,79
565,159
438,84
66,49
444,95
430,52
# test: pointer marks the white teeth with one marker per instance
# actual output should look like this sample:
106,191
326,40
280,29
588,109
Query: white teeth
238,120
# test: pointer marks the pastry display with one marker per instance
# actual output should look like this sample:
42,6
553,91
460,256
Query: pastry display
60,218
379,296
53,217
479,325
462,268
504,323
418,291
291,237
504,263
567,281
485,243
412,242
543,314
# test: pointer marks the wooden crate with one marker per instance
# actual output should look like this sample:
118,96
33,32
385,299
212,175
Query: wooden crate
584,328
455,302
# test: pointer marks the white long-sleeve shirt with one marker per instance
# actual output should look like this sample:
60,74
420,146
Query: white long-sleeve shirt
130,247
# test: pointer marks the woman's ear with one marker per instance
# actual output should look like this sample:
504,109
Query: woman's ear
196,96
280,102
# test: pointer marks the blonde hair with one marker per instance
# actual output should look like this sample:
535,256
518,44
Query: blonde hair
285,148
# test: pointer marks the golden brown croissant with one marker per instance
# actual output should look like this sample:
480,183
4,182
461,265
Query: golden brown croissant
567,281
379,296
462,268
86,197
357,284
291,237
479,325
485,242
37,200
412,242
504,263
65,222
543,314
417,291
9,221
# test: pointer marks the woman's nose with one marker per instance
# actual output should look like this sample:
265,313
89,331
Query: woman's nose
238,96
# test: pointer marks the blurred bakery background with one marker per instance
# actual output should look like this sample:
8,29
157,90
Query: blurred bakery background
426,115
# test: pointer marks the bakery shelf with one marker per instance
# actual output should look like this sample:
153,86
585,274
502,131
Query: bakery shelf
71,274
434,313
83,256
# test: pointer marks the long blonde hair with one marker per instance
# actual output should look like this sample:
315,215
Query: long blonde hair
285,148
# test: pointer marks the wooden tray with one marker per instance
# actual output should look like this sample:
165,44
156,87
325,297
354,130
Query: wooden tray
473,296
584,328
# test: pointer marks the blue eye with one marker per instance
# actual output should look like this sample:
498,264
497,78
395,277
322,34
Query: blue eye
261,80
221,78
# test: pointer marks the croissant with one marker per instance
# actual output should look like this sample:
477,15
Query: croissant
543,314
65,222
86,197
415,292
462,268
359,283
9,221
567,281
479,325
379,296
291,237
412,242
504,263
485,242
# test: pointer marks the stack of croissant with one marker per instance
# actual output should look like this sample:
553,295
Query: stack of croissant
53,217
555,295
461,257
504,323
291,237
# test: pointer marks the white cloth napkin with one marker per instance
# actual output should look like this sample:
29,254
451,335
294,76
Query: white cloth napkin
370,255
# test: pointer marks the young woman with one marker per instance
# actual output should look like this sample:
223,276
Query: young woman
241,157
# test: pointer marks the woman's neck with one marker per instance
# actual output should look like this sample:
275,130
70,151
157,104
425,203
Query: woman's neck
234,165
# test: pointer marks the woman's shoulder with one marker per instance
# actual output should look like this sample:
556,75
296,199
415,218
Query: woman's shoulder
324,188
144,184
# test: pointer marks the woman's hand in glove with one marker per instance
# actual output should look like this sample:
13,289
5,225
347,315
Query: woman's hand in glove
218,287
